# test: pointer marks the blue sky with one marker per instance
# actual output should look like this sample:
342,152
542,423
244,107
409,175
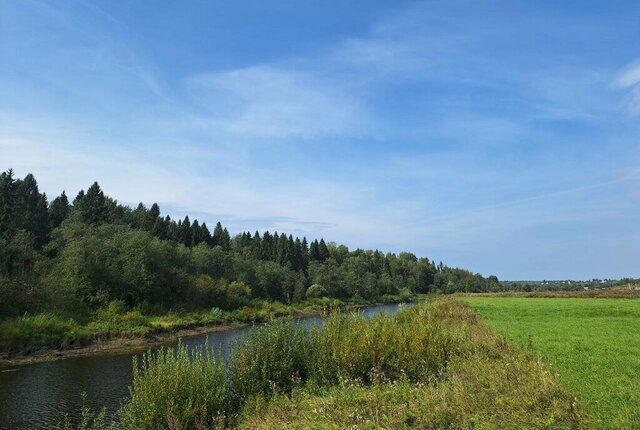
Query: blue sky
500,136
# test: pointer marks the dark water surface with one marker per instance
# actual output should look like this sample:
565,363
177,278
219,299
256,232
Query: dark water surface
37,396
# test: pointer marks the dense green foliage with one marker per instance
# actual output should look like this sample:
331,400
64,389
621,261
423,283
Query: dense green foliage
594,345
429,366
166,385
75,259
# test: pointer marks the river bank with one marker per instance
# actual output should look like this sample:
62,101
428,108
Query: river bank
112,346
157,331
39,395
132,343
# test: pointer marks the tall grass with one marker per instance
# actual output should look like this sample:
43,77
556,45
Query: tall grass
31,332
430,366
410,345
175,390
273,359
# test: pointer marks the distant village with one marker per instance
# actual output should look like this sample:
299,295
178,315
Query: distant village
572,285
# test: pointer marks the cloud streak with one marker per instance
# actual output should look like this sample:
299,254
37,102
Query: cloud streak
279,103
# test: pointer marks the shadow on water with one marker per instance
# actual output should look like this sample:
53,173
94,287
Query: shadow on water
37,396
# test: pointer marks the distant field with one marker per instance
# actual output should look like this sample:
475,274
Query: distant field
593,344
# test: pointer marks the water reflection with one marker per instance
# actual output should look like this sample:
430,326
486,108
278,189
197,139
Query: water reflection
37,396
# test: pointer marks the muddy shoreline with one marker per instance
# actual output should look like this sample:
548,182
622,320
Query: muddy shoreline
124,345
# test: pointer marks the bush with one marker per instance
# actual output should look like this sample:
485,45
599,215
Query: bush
237,295
316,291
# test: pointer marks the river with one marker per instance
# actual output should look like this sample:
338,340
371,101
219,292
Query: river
37,396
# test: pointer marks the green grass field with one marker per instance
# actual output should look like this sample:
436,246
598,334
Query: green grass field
593,344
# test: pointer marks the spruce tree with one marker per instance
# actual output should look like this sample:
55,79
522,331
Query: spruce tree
196,233
30,210
298,260
323,251
139,216
314,253
256,246
266,253
226,239
41,226
206,234
291,249
159,228
7,197
283,256
172,229
184,232
305,254
59,210
152,215
92,206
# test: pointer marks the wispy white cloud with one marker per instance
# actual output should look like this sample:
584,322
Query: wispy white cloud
271,102
629,76
629,79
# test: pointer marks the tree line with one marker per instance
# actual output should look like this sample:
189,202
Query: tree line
77,256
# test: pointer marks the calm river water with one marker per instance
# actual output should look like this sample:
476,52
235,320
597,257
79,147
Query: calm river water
37,396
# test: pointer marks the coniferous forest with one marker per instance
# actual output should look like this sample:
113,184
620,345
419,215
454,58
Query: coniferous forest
73,256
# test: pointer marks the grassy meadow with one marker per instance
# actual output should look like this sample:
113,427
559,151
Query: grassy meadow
592,344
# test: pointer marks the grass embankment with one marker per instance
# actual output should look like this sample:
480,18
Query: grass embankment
430,366
22,336
594,345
